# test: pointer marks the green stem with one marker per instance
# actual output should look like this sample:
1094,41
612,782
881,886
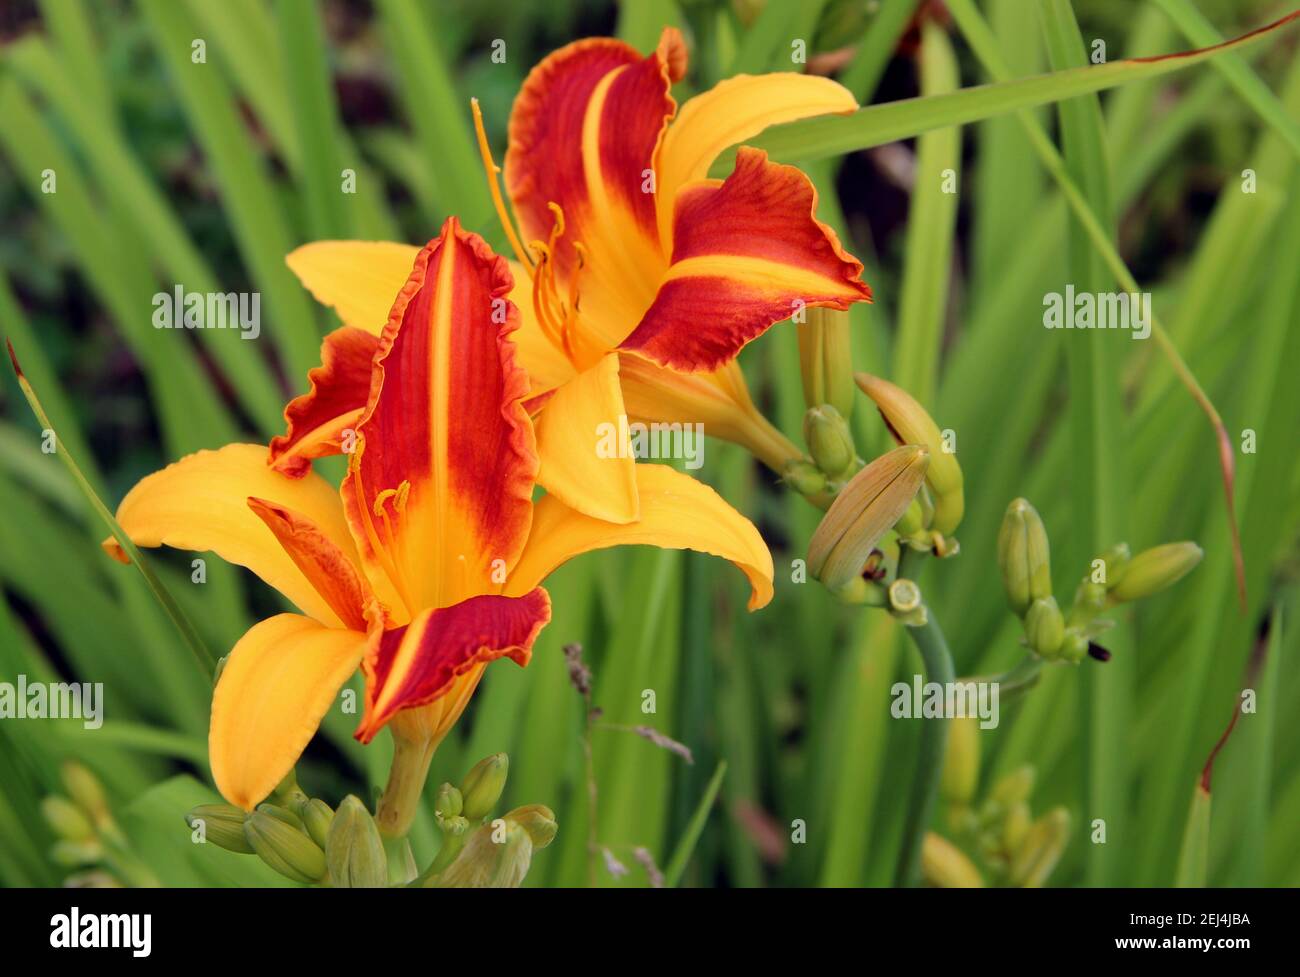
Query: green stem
406,777
937,661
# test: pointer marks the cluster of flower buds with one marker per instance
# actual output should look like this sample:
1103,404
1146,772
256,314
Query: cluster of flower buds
1013,847
300,837
1024,558
936,512
88,838
492,855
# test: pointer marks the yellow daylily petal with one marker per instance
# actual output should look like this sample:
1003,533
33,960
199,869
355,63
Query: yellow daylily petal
201,503
546,364
731,112
719,400
586,460
677,512
358,279
278,683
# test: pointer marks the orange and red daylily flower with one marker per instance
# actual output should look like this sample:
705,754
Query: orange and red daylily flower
643,278
427,564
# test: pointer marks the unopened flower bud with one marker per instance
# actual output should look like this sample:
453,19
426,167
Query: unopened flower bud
961,761
1151,571
945,866
86,791
497,856
1015,827
221,825
1045,627
538,820
482,786
1041,849
909,423
285,848
861,592
1114,560
804,478
316,817
448,802
1013,788
913,521
826,359
66,820
1024,556
864,510
354,852
829,440
282,814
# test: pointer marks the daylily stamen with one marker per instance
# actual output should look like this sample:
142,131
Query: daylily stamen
382,551
493,171
552,322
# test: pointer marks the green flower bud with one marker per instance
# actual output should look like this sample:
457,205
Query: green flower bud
945,866
1015,827
1045,627
72,854
909,423
354,852
829,440
826,359
282,814
222,825
285,848
66,819
497,856
482,786
1115,560
1013,788
961,761
1024,556
913,521
448,802
861,592
865,509
1041,849
804,478
1151,571
317,817
86,791
538,820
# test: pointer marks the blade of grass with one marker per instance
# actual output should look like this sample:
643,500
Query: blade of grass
1100,477
932,218
438,116
257,220
190,636
876,48
1238,73
681,855
876,125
